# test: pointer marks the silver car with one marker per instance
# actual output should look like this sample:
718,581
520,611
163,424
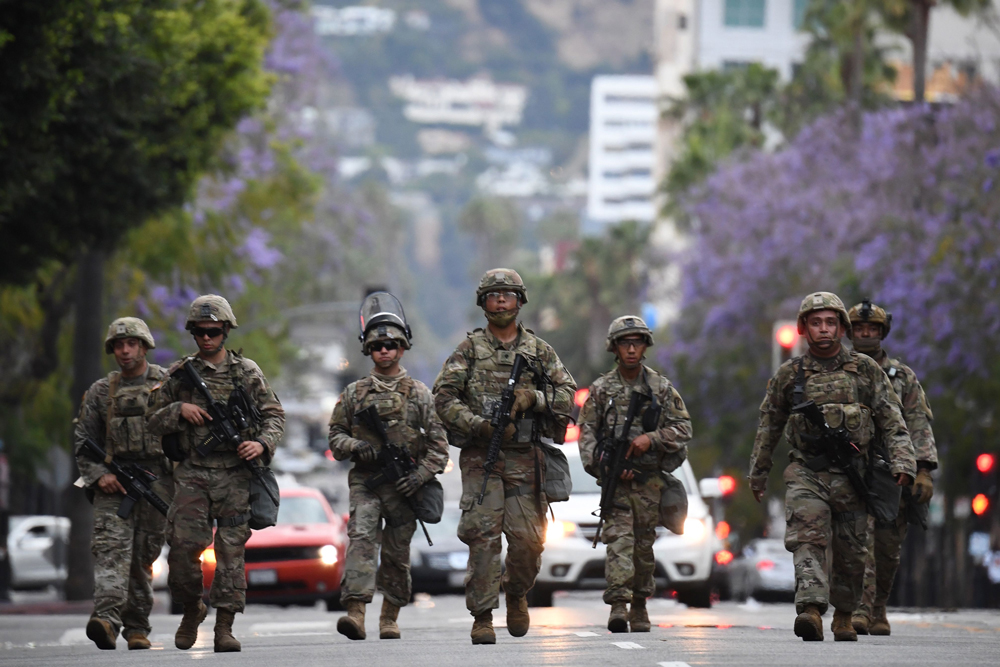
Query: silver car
764,569
37,548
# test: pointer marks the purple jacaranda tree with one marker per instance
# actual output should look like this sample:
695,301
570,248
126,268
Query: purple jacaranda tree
905,211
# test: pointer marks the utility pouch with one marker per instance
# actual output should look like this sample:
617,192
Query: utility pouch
883,493
673,504
429,505
171,444
915,513
558,483
263,510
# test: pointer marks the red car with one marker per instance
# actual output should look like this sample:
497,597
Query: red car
298,561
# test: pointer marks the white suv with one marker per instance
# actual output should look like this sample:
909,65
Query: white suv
683,562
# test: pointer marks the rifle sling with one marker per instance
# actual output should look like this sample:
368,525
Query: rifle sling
231,521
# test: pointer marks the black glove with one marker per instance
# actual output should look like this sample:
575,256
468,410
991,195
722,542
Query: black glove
363,452
410,484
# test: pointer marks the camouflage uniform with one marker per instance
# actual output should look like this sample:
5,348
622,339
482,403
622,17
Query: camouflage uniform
885,541
407,408
213,487
113,414
630,530
821,504
465,391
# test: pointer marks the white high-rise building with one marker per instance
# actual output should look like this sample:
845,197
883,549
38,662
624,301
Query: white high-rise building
623,125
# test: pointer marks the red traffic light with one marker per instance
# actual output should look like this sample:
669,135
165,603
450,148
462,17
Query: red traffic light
980,504
580,397
985,463
572,433
727,485
786,335
724,557
722,530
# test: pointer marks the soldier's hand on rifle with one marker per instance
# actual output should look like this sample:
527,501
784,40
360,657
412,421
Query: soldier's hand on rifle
902,479
109,484
410,484
923,487
627,475
249,450
524,400
363,452
486,431
194,414
639,446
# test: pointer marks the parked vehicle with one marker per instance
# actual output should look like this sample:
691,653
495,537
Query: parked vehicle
37,548
298,561
440,568
764,569
683,562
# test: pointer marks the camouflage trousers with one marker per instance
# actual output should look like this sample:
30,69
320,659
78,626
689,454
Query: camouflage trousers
124,551
509,508
822,510
379,517
629,532
884,546
204,495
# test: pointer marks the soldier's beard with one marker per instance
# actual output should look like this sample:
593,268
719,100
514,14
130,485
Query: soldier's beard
869,346
503,318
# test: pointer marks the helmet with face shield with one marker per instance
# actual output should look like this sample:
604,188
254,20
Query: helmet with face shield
381,314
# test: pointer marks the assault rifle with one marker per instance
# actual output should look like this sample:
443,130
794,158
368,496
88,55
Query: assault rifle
134,478
393,460
613,462
838,449
500,419
227,421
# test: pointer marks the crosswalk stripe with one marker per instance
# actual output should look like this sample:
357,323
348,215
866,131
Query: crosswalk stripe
585,634
628,645
673,664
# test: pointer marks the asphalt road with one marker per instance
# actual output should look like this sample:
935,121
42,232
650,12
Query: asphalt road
436,632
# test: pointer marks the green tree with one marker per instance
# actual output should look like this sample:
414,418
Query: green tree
495,225
109,111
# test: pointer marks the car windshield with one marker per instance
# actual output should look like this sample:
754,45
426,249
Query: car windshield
301,510
445,528
584,483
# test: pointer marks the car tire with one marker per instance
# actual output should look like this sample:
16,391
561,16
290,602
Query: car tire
540,596
700,597
333,603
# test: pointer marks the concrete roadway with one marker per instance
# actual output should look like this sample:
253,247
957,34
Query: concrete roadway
436,632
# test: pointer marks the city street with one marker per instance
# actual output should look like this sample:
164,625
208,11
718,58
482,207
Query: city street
436,632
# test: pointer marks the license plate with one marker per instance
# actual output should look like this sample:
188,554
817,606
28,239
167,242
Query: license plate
262,577
456,579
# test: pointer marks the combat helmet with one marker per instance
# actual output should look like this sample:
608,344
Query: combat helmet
866,311
625,325
128,327
500,279
381,317
210,307
822,301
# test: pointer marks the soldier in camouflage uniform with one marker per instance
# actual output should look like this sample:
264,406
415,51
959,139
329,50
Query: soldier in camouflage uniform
215,488
406,406
870,325
113,414
469,385
822,509
630,529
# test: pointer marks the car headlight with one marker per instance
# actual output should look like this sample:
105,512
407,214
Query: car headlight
559,530
694,530
157,568
208,555
328,554
458,560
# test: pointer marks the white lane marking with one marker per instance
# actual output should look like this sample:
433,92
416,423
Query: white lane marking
585,634
673,664
286,627
74,636
628,645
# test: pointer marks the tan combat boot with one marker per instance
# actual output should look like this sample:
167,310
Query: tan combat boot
843,631
880,624
638,619
387,627
101,633
224,640
518,620
860,623
618,620
352,626
482,629
138,641
187,631
809,624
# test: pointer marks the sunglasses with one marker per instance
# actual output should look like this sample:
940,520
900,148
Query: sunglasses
380,345
211,332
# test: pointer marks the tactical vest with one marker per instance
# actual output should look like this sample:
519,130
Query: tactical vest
221,386
843,395
488,374
126,436
397,409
